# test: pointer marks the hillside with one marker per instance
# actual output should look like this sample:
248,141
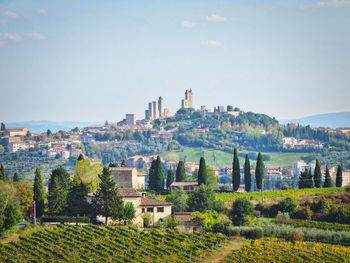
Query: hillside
108,244
330,120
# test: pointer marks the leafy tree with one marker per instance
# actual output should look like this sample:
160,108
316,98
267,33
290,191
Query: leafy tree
170,178
317,175
2,127
207,219
241,212
289,205
128,212
24,196
181,172
106,123
179,200
339,177
77,203
2,173
15,177
201,199
202,172
259,174
88,170
123,164
107,202
39,195
48,133
247,174
58,189
328,180
10,216
236,175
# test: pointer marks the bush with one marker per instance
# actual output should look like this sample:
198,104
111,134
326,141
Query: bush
147,219
304,213
241,208
64,219
289,205
252,232
282,216
293,237
322,206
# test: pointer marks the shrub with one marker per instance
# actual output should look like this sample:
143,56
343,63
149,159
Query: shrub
147,219
322,206
282,216
304,213
252,232
241,208
289,205
293,237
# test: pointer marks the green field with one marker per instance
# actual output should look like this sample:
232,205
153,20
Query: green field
225,159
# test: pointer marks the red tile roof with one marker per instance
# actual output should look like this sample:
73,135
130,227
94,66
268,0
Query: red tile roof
147,201
129,192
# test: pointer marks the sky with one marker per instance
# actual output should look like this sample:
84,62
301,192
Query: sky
98,60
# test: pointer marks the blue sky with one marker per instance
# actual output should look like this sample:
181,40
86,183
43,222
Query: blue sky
97,60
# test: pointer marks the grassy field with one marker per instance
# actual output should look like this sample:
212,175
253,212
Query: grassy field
220,158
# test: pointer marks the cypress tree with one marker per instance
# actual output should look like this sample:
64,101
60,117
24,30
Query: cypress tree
339,177
303,179
15,177
236,175
38,193
328,180
202,172
2,173
247,174
259,174
310,182
170,178
151,175
159,176
317,175
123,164
80,157
180,172
107,202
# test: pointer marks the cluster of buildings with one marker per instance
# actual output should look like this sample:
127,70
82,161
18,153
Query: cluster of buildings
156,110
297,144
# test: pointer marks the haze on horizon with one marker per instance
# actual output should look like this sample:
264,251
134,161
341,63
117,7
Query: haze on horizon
97,60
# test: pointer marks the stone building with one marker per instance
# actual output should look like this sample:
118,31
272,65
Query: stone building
127,177
187,102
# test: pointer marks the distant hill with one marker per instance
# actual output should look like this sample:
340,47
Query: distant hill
54,126
330,120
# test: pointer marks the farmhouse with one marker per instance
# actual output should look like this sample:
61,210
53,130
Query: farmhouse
186,186
128,177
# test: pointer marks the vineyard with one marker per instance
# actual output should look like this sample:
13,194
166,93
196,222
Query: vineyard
314,224
109,244
273,250
230,197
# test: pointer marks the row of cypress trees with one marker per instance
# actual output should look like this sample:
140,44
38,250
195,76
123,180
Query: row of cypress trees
307,180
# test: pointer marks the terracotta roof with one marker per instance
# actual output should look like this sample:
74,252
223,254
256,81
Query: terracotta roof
184,183
147,201
129,192
183,216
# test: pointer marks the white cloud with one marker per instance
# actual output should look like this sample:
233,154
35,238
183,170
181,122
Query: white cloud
216,18
10,36
42,12
188,24
10,14
212,43
35,36
334,3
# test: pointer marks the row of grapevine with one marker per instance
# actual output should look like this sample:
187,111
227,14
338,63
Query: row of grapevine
314,224
108,244
274,250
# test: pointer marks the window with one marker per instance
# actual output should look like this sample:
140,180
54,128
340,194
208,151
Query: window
150,209
160,209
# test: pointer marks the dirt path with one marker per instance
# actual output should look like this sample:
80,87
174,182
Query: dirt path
6,240
225,250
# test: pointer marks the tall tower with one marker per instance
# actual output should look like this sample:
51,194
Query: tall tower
155,110
161,106
150,110
189,98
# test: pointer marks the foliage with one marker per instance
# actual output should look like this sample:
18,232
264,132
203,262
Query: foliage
322,206
179,200
106,201
109,244
128,212
64,219
317,175
328,180
24,196
202,172
2,173
58,189
241,212
39,194
288,205
170,178
15,177
201,199
147,219
339,177
273,250
314,224
172,222
180,172
305,179
259,172
156,176
247,174
236,176
207,219
88,170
